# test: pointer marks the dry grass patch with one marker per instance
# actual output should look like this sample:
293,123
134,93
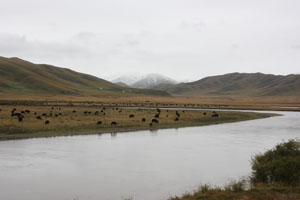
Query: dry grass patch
74,119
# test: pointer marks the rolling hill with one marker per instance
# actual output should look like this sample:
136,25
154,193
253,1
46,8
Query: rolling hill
241,84
20,76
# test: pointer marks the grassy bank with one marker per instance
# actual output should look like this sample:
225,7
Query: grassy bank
235,192
45,121
275,176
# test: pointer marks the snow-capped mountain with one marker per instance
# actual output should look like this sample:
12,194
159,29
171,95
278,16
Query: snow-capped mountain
127,79
150,81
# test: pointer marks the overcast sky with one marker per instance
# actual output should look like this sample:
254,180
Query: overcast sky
183,39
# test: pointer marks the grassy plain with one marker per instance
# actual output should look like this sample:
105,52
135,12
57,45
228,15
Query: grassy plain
82,118
256,103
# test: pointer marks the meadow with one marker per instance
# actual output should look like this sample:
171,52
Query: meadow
39,119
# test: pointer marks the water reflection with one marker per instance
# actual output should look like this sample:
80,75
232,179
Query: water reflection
113,134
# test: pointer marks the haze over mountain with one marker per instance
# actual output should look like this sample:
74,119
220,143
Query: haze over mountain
150,81
241,84
20,76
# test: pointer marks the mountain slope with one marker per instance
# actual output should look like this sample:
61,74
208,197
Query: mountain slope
122,84
20,76
241,84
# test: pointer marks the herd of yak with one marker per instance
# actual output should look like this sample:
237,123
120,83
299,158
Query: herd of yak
21,115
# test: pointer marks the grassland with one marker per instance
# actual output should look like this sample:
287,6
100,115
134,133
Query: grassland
211,102
82,118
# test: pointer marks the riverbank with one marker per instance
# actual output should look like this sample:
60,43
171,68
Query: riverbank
50,121
260,192
274,176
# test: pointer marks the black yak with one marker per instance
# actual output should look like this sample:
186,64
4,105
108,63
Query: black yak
215,115
154,121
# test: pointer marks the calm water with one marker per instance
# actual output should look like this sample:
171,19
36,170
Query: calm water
143,165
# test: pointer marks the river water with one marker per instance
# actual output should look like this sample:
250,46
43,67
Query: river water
141,165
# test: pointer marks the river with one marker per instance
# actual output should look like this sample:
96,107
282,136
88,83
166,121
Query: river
141,165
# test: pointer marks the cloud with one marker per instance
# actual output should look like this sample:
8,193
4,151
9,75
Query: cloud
234,46
297,46
19,45
194,24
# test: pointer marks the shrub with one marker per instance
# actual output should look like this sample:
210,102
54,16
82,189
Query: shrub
278,165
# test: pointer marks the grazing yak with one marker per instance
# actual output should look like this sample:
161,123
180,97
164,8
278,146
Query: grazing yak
156,115
143,119
176,119
131,116
47,122
20,118
99,122
154,121
215,115
113,123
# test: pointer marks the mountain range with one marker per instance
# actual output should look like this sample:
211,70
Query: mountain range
241,84
20,76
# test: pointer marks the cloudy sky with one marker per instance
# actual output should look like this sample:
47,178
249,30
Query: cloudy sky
183,39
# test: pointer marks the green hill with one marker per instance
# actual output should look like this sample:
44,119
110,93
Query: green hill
241,84
20,76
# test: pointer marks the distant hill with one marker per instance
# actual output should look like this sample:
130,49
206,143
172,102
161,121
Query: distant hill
241,84
150,81
20,76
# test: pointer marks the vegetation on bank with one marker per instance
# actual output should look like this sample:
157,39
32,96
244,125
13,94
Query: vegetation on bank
275,176
17,122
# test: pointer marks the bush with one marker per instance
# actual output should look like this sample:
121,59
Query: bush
278,165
